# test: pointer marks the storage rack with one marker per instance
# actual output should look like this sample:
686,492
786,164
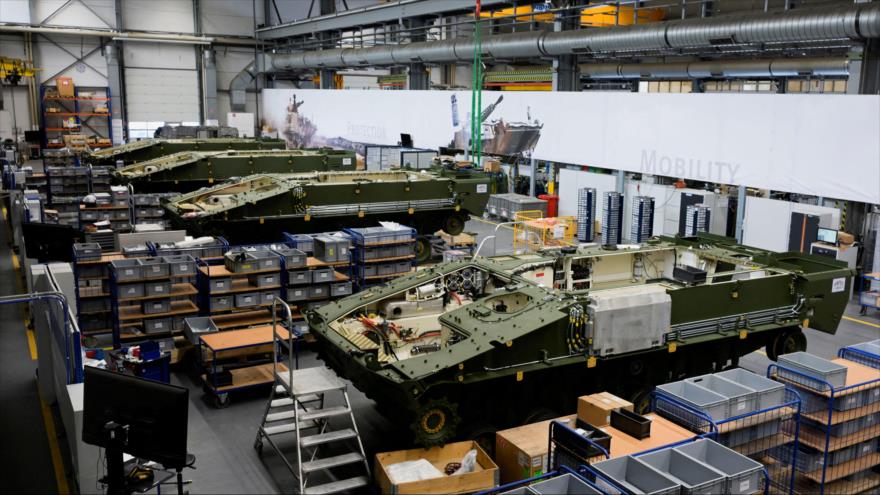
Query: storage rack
586,214
91,276
80,108
134,286
612,218
642,222
839,429
303,286
230,298
380,254
768,435
148,209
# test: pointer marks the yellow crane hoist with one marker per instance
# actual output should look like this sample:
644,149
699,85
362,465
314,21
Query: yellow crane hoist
13,69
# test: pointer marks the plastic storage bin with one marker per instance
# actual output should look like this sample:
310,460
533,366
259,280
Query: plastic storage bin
126,270
267,297
240,262
744,476
319,291
156,307
634,476
87,251
220,303
340,289
713,404
196,326
634,425
264,280
303,242
156,289
295,294
181,266
813,366
770,393
299,277
154,267
566,484
741,400
130,291
693,476
322,275
157,325
219,284
247,300
293,258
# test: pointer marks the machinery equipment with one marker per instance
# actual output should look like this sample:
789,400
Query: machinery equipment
148,149
490,343
189,170
261,207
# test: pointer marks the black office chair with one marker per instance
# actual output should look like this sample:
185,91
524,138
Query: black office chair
190,463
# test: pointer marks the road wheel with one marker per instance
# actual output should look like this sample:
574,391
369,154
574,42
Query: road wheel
454,224
436,422
484,434
423,249
791,341
641,400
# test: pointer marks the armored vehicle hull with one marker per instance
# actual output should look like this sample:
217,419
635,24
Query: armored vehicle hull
466,347
190,170
148,149
261,207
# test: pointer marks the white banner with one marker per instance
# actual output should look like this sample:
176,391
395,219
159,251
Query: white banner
823,145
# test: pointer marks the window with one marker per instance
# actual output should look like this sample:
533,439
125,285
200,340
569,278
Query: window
142,130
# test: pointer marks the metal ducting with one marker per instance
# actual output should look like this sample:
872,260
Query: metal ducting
859,21
785,67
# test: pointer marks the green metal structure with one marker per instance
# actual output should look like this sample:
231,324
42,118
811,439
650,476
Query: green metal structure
260,207
189,170
468,347
148,149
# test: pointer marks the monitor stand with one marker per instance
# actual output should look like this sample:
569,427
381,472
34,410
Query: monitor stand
116,440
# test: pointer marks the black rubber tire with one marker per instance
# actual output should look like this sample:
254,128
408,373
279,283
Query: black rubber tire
454,224
641,400
791,341
484,435
423,249
540,414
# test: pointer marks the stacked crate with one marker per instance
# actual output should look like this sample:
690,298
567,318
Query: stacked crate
840,423
113,206
91,278
381,253
148,210
242,288
751,414
67,185
150,297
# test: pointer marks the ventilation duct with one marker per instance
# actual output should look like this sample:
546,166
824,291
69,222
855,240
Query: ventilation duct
730,69
793,26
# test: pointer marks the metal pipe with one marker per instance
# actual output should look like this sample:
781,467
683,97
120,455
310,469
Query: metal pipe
854,22
777,67
127,35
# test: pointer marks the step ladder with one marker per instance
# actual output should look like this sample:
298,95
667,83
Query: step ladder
297,409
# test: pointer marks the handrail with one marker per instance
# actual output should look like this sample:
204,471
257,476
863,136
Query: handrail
72,372
293,356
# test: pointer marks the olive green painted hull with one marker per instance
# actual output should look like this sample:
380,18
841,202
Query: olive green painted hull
514,362
154,148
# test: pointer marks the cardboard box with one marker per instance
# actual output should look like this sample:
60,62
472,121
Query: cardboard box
491,166
485,475
64,86
596,409
521,452
845,238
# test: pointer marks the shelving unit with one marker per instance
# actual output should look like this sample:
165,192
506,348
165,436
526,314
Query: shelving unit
869,298
303,286
133,290
838,433
225,292
380,253
92,281
81,111
243,357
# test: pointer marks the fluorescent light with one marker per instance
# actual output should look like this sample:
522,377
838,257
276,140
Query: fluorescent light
205,41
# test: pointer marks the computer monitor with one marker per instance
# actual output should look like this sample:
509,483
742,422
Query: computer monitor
828,236
153,413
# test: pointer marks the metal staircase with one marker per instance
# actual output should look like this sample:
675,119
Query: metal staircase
297,408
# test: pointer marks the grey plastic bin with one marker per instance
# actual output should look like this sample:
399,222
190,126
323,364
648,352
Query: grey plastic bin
813,366
157,325
156,307
126,270
713,404
196,326
156,289
129,291
693,476
567,484
297,294
744,476
220,303
322,275
264,280
770,393
219,284
299,277
181,265
741,399
247,300
293,258
154,267
523,490
635,476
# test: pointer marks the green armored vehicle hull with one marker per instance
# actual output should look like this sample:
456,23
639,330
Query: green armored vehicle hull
190,170
148,149
261,207
468,347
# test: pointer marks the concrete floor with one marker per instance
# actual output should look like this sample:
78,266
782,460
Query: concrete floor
222,439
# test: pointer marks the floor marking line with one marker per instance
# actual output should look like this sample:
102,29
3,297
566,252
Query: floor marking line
759,351
863,322
31,338
54,449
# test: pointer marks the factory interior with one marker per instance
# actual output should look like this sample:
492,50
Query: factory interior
503,247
